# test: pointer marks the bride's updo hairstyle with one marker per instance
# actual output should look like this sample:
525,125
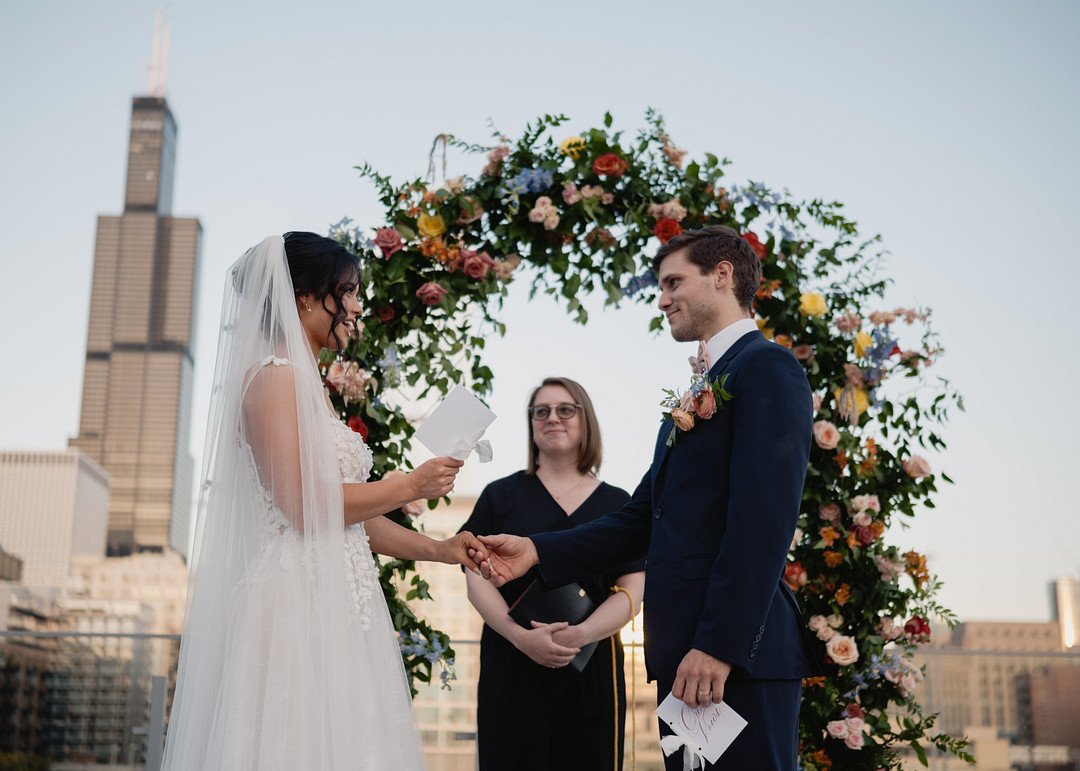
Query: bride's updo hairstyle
324,268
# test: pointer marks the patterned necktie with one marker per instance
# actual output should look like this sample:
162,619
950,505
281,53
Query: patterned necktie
700,363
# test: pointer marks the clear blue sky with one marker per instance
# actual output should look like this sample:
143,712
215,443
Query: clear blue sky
947,127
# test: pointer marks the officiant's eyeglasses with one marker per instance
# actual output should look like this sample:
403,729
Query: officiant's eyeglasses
563,411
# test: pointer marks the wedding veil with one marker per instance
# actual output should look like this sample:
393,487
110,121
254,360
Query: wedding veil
267,594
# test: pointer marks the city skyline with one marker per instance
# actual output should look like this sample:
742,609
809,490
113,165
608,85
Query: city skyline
930,132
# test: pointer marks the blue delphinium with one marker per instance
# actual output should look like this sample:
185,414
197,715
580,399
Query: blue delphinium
639,283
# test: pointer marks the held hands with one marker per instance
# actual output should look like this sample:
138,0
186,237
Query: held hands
434,478
508,557
540,645
700,679
460,550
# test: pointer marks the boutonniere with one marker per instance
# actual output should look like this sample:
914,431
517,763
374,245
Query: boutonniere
704,399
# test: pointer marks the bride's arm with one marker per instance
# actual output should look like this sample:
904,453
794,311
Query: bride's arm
272,430
391,539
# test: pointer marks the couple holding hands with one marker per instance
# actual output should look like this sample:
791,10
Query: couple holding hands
289,658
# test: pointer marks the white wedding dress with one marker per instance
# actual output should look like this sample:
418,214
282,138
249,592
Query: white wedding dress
289,660
258,718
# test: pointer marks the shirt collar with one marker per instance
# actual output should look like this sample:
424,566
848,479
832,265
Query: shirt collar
719,343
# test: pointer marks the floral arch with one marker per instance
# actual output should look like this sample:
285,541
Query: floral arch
584,213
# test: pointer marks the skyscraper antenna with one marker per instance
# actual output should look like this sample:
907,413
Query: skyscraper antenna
159,57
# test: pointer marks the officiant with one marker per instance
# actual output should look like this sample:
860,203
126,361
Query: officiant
552,692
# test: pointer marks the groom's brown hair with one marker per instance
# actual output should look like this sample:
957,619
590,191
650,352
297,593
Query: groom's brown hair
708,247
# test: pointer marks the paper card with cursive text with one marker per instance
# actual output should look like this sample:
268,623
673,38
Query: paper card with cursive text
711,728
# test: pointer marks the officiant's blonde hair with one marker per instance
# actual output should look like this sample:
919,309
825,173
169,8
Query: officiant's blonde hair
590,451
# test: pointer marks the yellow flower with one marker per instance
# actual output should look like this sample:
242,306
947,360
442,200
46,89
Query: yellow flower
862,401
812,304
431,225
863,341
572,146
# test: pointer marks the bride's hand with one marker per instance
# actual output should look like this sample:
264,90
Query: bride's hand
435,478
459,550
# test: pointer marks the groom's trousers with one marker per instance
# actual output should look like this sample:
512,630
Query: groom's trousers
770,741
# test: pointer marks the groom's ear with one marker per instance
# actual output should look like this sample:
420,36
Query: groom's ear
723,274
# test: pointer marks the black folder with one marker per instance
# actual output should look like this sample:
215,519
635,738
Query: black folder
568,603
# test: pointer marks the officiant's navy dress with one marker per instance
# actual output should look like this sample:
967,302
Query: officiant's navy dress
530,717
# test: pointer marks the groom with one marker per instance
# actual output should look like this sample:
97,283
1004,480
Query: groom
714,514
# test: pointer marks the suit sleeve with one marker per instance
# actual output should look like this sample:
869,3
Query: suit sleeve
599,546
772,426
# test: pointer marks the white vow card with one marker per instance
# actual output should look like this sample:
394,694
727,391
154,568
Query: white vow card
456,425
711,729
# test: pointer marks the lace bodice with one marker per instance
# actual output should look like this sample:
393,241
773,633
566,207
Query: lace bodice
354,466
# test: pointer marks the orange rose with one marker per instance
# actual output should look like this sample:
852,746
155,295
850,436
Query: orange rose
843,594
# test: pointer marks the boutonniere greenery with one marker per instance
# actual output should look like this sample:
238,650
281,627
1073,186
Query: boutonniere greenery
704,399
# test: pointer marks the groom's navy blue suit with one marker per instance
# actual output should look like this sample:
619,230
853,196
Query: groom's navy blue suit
714,516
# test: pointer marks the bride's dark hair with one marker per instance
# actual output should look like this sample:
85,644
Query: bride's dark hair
322,267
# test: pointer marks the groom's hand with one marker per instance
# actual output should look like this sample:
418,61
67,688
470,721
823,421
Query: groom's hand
700,679
508,557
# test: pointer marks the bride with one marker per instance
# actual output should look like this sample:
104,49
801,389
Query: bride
289,659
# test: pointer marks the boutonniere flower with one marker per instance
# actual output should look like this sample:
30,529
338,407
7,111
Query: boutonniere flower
704,399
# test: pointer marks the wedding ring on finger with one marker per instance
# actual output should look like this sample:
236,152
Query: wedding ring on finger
704,694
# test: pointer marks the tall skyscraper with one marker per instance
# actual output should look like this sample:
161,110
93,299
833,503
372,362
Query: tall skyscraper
136,404
1065,602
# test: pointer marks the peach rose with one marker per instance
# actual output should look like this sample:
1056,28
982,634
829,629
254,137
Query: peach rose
916,467
705,404
843,650
471,211
826,435
431,293
684,421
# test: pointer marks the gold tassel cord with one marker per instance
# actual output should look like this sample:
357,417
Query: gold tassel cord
633,686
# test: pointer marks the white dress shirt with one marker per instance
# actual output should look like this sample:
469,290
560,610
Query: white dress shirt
719,343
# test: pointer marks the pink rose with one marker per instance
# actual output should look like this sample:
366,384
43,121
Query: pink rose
865,503
816,623
570,194
537,214
854,741
826,633
829,512
916,467
862,519
865,535
888,568
843,650
889,630
837,729
849,322
826,435
388,240
817,400
705,404
855,724
803,352
431,293
474,265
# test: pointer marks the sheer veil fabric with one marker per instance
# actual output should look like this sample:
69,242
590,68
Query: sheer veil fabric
281,665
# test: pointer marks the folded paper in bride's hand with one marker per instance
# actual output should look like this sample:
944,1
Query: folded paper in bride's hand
456,427
703,733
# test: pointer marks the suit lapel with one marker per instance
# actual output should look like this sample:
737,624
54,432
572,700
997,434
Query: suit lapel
663,448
